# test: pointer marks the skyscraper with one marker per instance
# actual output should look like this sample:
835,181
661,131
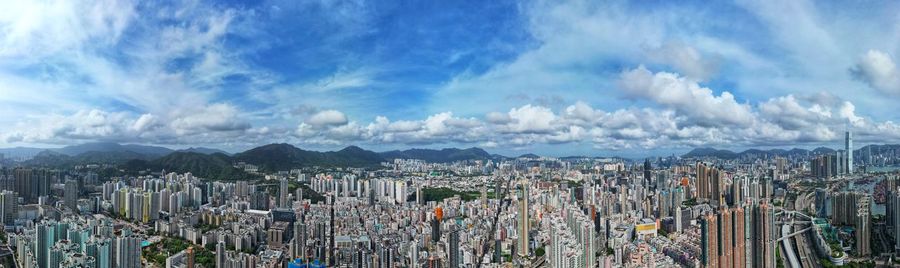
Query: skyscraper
220,254
715,179
709,241
522,244
435,231
298,244
71,194
128,251
739,254
762,235
647,174
726,238
283,193
453,248
8,207
99,248
863,233
702,182
24,184
848,146
894,212
45,237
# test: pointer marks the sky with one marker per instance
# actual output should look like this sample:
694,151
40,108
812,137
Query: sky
550,77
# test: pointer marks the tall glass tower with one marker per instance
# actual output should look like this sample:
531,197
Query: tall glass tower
848,147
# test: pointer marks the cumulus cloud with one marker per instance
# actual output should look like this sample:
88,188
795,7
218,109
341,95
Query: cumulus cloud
168,82
685,96
215,117
82,125
686,60
213,123
878,70
779,121
145,122
530,119
583,112
328,118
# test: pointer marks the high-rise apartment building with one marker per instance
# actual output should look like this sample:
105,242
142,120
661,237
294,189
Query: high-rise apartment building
453,248
709,180
8,207
283,201
703,191
71,194
709,239
725,238
523,228
128,251
763,235
739,237
863,231
893,212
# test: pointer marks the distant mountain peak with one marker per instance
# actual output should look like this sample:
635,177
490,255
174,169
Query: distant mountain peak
74,150
444,155
726,154
352,148
203,150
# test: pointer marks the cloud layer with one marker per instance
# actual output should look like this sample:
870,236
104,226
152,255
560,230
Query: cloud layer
556,76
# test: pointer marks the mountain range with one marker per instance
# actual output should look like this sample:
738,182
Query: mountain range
727,154
213,163
217,164
439,156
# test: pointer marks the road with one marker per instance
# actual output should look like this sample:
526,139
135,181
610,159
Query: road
788,248
808,257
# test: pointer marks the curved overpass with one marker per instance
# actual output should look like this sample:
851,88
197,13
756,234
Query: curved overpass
788,248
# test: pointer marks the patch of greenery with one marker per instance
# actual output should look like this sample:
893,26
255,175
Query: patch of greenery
168,246
308,193
441,193
205,258
866,264
827,263
779,262
204,227
662,232
539,251
214,167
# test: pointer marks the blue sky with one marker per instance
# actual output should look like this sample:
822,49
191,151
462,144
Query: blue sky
552,77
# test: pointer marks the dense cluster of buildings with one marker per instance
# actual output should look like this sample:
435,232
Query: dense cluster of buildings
527,211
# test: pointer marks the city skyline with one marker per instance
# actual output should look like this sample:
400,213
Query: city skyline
552,78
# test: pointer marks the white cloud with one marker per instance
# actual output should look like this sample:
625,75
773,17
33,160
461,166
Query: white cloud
215,117
686,59
686,97
83,125
780,121
530,119
33,29
498,118
583,112
878,70
145,122
328,118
